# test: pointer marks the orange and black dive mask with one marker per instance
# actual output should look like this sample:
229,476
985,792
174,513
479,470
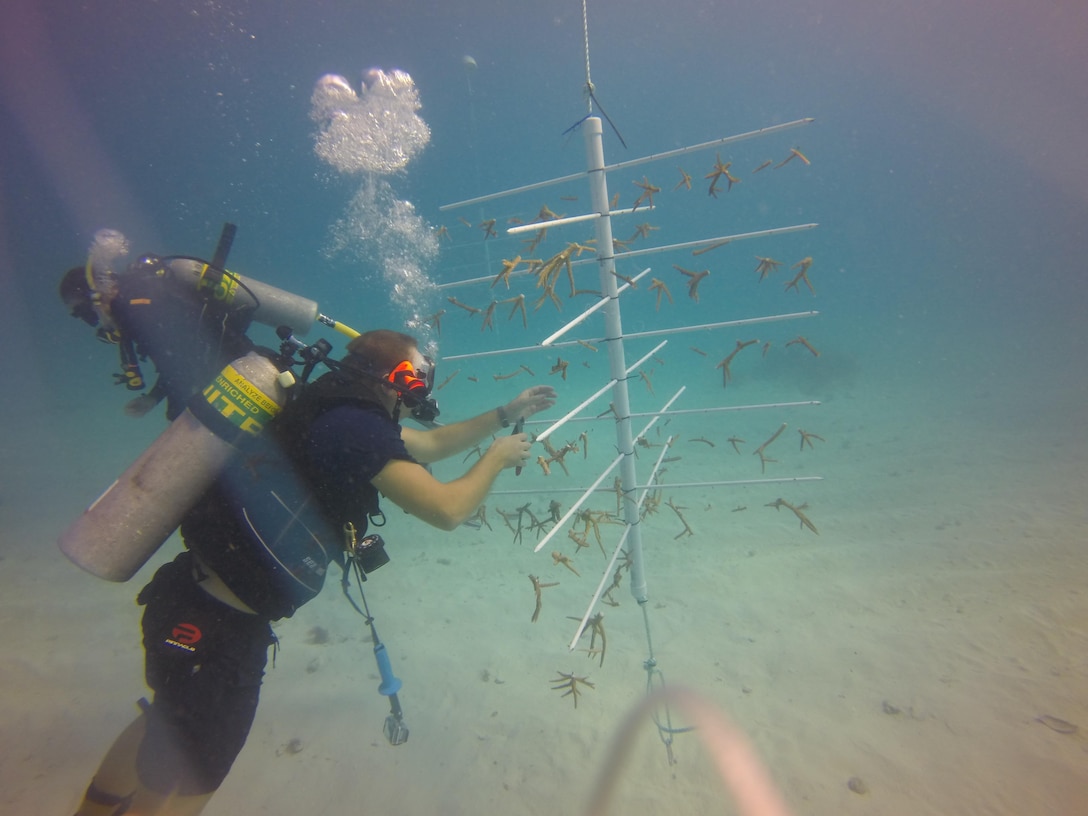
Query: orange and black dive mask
414,386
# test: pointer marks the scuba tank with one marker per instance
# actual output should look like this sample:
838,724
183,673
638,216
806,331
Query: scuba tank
124,527
271,306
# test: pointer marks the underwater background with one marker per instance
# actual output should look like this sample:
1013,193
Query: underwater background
930,641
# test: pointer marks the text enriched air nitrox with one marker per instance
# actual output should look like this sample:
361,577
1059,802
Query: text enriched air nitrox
239,401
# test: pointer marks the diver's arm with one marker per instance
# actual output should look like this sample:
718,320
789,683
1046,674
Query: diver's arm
447,440
158,391
143,404
131,376
447,505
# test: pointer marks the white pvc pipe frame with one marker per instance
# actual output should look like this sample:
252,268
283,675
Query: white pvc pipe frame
601,215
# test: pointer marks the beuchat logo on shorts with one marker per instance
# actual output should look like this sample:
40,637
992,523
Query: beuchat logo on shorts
185,636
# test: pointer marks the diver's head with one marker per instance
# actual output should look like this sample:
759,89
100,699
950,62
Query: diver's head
88,290
78,296
392,361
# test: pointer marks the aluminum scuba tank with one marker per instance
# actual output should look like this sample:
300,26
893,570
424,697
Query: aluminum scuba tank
272,306
124,527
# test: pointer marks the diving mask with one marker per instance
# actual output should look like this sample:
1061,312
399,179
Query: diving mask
414,387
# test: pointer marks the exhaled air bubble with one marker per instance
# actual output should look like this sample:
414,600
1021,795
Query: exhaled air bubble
375,133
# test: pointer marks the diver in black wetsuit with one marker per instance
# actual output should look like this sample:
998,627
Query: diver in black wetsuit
187,335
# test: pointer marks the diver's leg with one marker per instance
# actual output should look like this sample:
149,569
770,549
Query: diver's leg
116,790
115,781
147,802
207,685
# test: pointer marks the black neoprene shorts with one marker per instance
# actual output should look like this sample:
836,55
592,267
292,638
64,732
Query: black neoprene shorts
204,661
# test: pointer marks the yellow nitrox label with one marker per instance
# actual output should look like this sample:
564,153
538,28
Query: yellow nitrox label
240,402
221,286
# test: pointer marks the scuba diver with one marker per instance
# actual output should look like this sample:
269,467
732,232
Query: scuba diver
187,335
259,542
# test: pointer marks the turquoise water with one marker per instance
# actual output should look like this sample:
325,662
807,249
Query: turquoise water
948,273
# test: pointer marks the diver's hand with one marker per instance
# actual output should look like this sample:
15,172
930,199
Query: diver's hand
530,401
511,451
140,406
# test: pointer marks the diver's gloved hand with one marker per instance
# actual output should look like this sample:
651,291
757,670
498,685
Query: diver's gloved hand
530,401
131,378
139,406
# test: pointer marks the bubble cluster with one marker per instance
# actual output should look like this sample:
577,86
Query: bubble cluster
108,245
375,131
373,134
381,229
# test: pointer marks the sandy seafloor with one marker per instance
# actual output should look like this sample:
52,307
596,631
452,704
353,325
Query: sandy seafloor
930,643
